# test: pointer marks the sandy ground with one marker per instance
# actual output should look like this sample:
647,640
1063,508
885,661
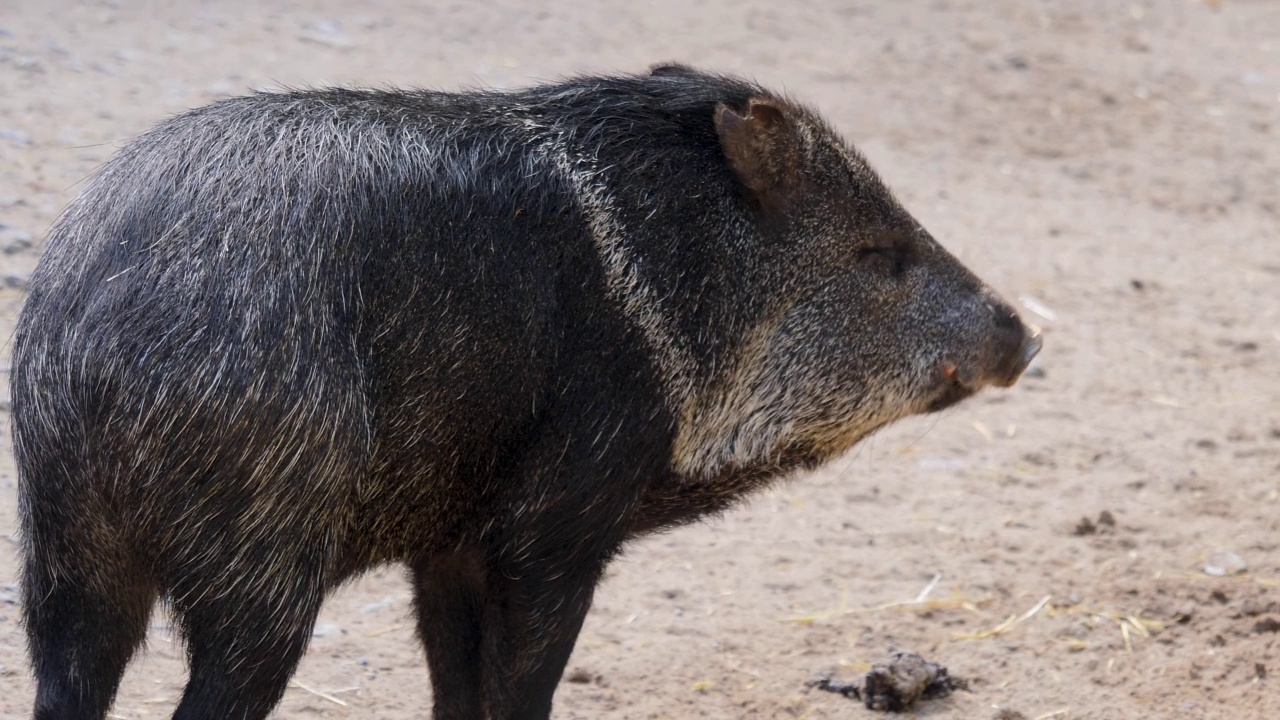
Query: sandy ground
1116,165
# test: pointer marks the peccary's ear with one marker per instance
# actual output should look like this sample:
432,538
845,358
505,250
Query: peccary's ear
763,149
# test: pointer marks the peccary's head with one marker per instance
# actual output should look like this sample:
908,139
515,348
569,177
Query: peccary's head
869,319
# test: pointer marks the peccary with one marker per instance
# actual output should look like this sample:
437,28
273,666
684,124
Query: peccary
285,338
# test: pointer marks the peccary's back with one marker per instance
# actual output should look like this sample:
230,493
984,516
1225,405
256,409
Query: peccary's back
385,280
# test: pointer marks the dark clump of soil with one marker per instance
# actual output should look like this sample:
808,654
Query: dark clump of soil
1106,524
1106,521
897,685
1085,527
1266,625
906,678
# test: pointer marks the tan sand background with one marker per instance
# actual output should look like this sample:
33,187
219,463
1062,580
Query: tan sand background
1116,164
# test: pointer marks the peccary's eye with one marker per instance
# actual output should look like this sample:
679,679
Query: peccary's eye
888,259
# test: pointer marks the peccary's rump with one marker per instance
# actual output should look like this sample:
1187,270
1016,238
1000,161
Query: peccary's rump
284,338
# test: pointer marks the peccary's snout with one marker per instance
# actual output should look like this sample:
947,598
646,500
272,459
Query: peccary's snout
1019,342
999,348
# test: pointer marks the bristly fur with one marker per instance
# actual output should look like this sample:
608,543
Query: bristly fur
287,337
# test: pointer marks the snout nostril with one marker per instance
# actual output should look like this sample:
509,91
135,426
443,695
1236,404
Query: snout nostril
1005,317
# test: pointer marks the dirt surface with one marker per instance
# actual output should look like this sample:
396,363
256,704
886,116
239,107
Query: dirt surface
1114,164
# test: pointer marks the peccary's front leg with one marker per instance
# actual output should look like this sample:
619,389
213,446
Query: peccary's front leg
499,628
546,552
530,630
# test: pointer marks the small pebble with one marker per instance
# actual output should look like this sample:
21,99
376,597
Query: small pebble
17,138
1225,563
328,26
373,607
328,33
15,242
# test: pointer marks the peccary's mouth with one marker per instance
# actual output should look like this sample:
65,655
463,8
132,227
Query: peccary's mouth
953,391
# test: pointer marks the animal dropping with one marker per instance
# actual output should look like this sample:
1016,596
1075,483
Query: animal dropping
492,336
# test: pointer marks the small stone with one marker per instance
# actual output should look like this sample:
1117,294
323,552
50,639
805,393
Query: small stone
26,63
328,26
327,32
1225,563
378,606
16,138
15,242
15,282
325,630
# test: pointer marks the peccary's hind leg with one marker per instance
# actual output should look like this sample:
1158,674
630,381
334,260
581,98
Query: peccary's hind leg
245,638
449,600
86,613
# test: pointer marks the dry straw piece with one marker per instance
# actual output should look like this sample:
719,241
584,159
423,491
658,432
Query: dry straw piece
921,601
1009,624
318,693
